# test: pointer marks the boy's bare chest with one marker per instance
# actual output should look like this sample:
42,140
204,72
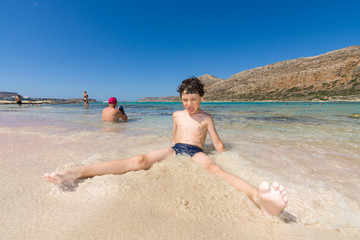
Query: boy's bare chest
192,125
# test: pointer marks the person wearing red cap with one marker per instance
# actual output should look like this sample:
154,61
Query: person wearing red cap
112,114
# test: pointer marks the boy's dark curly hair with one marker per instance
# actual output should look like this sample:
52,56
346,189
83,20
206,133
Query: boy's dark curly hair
190,86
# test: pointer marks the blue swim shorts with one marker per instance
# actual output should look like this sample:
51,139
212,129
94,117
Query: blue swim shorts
181,149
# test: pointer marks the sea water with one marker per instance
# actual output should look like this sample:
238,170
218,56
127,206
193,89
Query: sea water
313,149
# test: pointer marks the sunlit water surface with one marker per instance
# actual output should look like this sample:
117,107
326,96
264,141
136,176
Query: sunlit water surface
313,149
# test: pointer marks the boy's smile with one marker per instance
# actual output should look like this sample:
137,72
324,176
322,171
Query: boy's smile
191,102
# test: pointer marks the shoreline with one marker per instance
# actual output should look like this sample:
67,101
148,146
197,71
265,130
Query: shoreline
8,102
37,102
26,102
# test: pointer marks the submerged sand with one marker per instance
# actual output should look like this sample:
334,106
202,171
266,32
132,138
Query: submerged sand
175,199
312,150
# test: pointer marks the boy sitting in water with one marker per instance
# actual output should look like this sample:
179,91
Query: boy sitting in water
191,126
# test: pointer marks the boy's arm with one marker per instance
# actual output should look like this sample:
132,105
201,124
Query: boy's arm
219,146
174,129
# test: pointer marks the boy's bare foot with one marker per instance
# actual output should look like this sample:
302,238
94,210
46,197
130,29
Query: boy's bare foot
272,199
68,177
53,178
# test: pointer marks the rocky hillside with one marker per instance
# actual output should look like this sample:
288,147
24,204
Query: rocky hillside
331,76
160,99
7,94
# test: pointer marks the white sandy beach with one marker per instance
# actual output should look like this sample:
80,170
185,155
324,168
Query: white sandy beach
175,199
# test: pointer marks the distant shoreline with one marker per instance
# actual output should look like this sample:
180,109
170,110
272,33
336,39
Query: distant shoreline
26,102
45,101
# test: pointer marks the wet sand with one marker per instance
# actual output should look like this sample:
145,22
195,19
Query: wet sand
175,199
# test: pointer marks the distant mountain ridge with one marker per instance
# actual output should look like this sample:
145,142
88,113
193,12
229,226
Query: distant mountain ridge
8,97
7,94
331,76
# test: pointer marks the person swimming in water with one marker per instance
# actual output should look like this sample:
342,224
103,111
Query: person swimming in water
113,114
190,128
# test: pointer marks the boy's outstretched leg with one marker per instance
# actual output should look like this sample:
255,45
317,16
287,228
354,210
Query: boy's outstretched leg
111,167
270,199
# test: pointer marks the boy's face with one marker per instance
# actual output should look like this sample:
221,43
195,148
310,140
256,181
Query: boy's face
191,102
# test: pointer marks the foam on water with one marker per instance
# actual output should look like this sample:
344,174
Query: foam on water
313,150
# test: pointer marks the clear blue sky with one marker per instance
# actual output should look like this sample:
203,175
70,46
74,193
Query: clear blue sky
132,49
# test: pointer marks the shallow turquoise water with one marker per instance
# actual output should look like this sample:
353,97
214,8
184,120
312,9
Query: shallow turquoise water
312,148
